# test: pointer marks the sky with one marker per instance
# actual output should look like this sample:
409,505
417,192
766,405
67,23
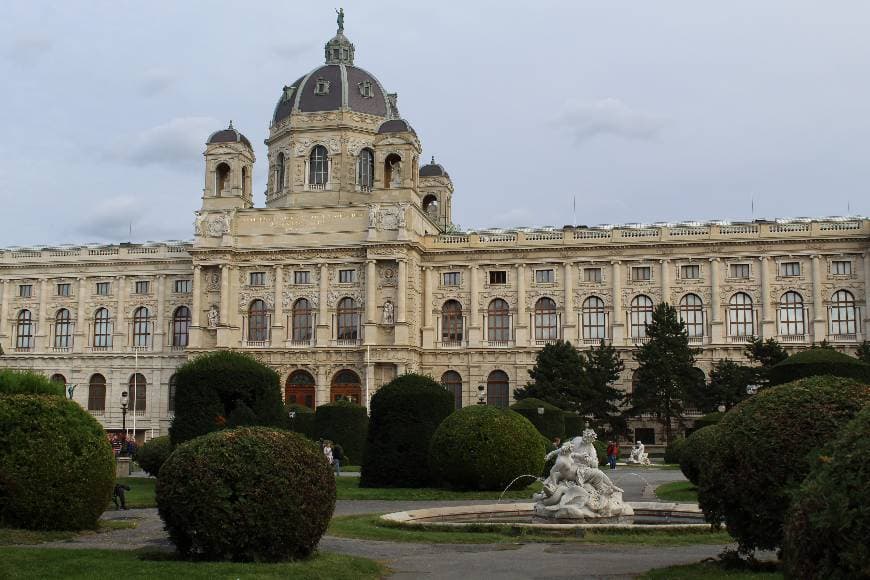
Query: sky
640,111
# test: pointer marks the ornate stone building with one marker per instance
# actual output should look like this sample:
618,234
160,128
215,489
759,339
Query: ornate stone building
351,274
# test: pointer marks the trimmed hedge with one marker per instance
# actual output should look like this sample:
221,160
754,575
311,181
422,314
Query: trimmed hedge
762,450
153,454
551,423
303,420
828,526
213,391
674,450
344,423
696,451
57,470
713,418
404,414
817,362
27,382
485,448
247,494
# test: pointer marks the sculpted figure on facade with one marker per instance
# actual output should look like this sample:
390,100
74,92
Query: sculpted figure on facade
374,215
388,313
396,173
213,316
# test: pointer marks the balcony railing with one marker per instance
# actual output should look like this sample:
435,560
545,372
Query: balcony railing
740,339
497,343
348,341
793,338
853,337
255,343
696,340
301,343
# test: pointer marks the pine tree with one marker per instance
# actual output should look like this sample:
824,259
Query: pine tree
862,352
764,353
728,382
601,368
556,376
666,373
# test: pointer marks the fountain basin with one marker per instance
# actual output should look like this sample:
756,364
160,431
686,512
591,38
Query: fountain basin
647,516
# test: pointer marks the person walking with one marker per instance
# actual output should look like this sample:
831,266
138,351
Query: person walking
337,458
612,454
327,451
118,496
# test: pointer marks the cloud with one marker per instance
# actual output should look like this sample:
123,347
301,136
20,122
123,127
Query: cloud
587,120
28,50
178,143
156,81
112,218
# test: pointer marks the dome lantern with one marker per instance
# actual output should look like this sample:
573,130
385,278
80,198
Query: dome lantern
339,50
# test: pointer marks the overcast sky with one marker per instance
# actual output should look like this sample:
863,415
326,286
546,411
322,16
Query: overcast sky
645,111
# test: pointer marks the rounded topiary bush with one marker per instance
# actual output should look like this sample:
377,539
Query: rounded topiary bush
833,503
152,454
674,450
27,382
762,452
709,419
816,362
247,494
302,421
696,450
551,423
224,388
344,423
404,415
56,465
485,448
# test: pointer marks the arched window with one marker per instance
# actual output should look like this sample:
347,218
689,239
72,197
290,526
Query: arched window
546,320
258,323
300,389
740,315
318,166
141,327
346,387
791,315
393,171
692,313
138,387
498,321
173,387
451,322
58,378
453,383
430,206
497,389
97,394
221,178
102,328
594,318
181,326
843,316
348,315
365,175
280,169
641,311
302,321
62,329
24,330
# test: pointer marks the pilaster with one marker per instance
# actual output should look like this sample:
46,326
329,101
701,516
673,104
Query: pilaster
6,289
428,329
768,325
278,317
43,331
401,326
371,332
716,330
819,320
522,325
569,326
474,327
119,340
322,330
617,322
195,336
160,331
665,279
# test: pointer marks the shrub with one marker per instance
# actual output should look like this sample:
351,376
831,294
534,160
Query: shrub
708,419
695,451
344,423
27,382
302,421
152,454
828,525
247,494
816,362
214,389
761,454
674,450
551,423
56,465
485,448
404,415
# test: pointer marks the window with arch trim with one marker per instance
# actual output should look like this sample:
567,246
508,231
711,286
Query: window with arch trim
62,329
498,321
741,317
348,314
221,178
318,166
691,311
141,327
791,314
843,313
102,328
24,330
594,318
300,389
640,314
258,321
97,394
58,378
302,319
181,326
546,320
280,170
451,322
138,387
452,381
498,389
365,169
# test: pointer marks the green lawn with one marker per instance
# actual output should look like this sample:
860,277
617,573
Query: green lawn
709,571
348,488
20,563
678,491
14,536
141,494
370,527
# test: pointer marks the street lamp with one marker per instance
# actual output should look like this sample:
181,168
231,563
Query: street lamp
481,396
292,414
751,389
124,401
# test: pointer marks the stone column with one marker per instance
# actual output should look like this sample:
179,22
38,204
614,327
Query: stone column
522,329
716,333
371,289
321,395
569,323
226,272
323,322
119,340
403,291
278,314
428,329
617,323
768,326
195,339
474,326
43,331
666,280
6,289
160,332
819,314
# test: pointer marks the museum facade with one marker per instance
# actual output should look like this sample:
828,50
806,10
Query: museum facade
353,274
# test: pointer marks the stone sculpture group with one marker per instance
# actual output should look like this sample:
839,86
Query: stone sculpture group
638,455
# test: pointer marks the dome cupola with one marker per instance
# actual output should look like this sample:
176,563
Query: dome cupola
339,50
433,169
228,135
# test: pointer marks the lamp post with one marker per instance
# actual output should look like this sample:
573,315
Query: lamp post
481,396
124,401
751,389
292,414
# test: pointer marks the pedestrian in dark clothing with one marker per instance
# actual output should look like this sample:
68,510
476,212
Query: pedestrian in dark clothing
337,457
118,496
612,454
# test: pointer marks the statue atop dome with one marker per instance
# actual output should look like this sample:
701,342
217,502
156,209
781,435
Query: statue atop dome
340,20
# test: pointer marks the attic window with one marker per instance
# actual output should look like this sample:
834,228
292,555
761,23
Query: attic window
365,89
321,87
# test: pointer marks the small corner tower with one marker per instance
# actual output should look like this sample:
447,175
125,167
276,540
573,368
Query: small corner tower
229,162
436,194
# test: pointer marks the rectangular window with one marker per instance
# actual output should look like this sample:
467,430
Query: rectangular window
592,274
791,268
346,276
451,279
841,268
690,272
302,277
498,277
142,287
64,290
25,290
103,288
258,278
740,270
641,273
544,277
183,287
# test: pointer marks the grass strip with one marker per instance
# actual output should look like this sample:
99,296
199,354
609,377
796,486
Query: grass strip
709,570
348,488
678,491
14,536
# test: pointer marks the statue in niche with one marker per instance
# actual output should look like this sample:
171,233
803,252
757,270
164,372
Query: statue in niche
374,209
396,173
213,316
388,317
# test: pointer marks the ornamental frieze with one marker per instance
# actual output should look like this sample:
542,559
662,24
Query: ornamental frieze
333,296
248,296
581,295
289,297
